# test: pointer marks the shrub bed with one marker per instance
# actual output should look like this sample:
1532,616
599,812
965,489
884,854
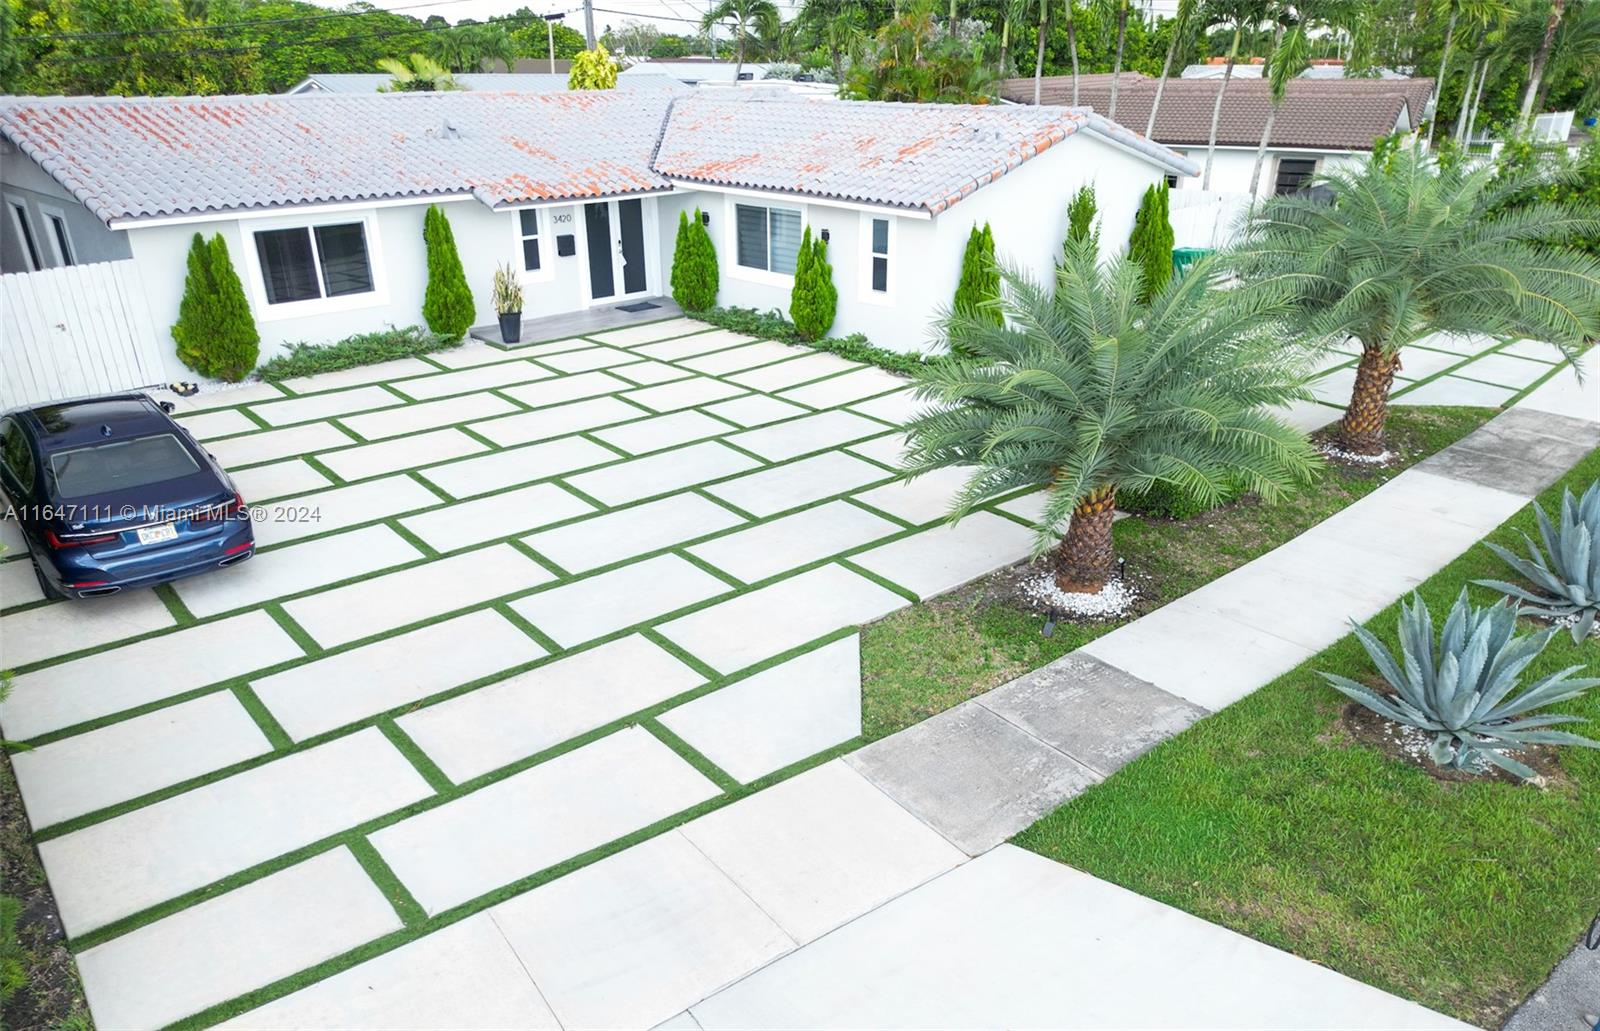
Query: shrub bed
306,359
769,325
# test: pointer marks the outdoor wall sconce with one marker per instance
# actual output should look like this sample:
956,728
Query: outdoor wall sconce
824,236
705,218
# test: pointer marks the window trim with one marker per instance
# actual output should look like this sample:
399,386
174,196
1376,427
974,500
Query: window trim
250,262
26,237
547,247
1277,169
865,254
730,240
55,217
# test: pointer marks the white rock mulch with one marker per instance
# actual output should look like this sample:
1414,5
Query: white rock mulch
1115,599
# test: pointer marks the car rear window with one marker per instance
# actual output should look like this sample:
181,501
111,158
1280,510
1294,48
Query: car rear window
120,465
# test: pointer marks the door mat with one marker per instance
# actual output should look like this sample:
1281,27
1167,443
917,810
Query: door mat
638,306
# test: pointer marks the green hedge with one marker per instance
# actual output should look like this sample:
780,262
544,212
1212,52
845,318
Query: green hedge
305,359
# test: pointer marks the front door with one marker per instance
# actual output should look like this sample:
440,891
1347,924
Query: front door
614,232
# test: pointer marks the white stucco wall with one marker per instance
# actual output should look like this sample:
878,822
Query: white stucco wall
1026,209
1231,170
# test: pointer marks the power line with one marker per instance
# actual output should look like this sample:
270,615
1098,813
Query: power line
227,26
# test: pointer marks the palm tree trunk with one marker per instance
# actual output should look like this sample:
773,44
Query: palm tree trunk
1216,110
1466,103
1072,48
1261,150
1116,64
1477,99
1038,59
738,65
1541,57
1086,557
1444,67
1361,429
1161,83
1005,42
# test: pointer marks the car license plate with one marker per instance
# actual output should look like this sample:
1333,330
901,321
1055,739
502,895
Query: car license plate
157,534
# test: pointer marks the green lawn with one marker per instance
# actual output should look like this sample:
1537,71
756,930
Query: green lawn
925,659
1269,819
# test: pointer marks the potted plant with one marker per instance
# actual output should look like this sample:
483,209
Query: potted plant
508,303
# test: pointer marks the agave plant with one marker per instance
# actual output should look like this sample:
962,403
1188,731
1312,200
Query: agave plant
1567,582
1461,690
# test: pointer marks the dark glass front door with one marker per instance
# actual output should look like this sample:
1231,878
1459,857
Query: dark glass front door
631,214
597,226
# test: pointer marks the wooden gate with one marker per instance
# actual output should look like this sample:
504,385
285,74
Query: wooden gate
82,329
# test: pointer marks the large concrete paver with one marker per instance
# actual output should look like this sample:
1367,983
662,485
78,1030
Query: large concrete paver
534,819
633,939
971,775
222,423
1565,393
791,541
324,406
754,410
497,515
295,568
360,374
271,445
81,774
923,500
802,436
338,508
666,329
1454,389
586,609
328,693
648,373
145,671
393,600
1015,940
48,631
797,370
391,456
625,533
662,431
121,866
481,377
1521,450
839,390
898,408
18,585
945,557
498,470
821,849
427,415
746,629
778,716
738,359
475,353
684,393
558,421
640,478
278,480
588,359
770,491
497,725
678,346
566,388
235,943
464,976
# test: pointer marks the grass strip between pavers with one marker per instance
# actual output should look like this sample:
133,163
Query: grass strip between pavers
1269,818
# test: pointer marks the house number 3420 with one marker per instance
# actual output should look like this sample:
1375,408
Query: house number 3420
561,220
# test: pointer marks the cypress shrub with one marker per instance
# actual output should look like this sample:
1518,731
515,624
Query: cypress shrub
694,265
447,306
1151,243
980,277
815,299
216,331
1081,214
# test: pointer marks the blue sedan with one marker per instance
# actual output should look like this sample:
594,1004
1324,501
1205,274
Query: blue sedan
111,494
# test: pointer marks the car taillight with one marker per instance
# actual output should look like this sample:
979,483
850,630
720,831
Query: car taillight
76,542
238,504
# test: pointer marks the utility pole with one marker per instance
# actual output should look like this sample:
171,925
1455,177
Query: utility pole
588,22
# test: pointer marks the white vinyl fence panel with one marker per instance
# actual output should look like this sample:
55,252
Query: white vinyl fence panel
1205,218
82,329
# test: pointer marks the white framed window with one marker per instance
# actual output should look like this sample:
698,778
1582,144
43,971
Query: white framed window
25,237
877,258
767,238
57,235
533,243
298,268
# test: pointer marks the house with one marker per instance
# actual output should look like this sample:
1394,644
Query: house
1253,68
321,197
1321,123
512,82
693,71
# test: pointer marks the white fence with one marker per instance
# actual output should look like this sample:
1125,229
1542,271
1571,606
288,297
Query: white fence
1205,218
82,329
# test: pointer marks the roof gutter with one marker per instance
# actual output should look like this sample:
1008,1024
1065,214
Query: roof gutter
803,198
1159,154
279,210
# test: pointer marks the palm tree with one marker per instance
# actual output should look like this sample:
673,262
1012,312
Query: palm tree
1010,10
1407,249
1288,59
1038,58
1122,39
1182,19
1480,11
745,14
1072,47
422,74
1239,13
1087,390
1541,58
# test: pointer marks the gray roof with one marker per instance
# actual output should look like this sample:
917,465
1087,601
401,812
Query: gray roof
494,82
151,157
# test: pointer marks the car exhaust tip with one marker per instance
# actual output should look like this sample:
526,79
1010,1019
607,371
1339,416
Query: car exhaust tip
232,559
97,592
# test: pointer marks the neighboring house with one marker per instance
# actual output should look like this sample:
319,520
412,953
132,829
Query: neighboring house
495,82
695,70
1253,68
321,198
1322,122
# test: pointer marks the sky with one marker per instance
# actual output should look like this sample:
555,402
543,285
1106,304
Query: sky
667,15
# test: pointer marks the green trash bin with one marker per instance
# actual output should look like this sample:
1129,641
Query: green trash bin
1183,257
